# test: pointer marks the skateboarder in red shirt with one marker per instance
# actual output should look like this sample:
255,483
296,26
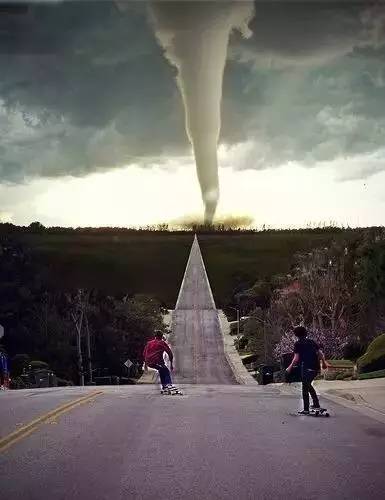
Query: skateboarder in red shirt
153,358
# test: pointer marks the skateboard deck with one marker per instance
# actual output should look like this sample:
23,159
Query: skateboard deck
322,412
171,392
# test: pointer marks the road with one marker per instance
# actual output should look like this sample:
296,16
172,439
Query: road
196,338
218,441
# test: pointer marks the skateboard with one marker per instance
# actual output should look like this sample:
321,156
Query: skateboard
321,412
171,392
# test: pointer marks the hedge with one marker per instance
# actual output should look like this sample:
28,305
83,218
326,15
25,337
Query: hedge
374,358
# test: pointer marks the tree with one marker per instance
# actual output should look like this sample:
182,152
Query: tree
36,227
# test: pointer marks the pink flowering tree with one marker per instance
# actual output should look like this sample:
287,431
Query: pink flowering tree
332,344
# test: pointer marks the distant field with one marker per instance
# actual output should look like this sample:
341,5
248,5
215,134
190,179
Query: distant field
243,259
154,263
148,264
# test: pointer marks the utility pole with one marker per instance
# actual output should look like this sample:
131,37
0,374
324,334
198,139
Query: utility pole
264,341
79,347
89,362
78,322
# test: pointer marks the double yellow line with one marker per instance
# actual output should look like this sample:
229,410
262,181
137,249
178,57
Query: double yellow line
27,429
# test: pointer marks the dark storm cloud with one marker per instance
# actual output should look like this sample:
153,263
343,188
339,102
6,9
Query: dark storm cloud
84,86
294,33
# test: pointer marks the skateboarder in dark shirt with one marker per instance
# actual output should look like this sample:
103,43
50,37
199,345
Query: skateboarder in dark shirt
308,355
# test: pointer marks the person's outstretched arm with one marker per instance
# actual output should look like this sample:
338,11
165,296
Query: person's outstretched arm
293,363
321,357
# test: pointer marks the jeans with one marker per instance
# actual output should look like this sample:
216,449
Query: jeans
164,373
307,378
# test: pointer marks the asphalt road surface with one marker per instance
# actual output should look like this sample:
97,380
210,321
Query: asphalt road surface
196,339
218,441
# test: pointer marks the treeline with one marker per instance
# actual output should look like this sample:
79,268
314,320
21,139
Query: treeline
45,324
222,228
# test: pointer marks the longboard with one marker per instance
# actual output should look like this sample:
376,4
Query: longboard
322,412
171,392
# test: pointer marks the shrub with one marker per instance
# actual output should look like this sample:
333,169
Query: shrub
374,358
61,382
353,351
18,363
38,365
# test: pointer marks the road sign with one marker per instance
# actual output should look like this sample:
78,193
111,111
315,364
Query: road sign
1,331
128,363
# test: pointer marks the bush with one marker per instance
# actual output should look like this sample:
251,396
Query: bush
38,365
61,382
344,363
21,382
353,351
374,358
338,374
18,363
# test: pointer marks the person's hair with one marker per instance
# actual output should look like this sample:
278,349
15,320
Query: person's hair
300,332
158,334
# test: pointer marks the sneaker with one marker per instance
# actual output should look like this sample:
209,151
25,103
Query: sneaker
303,412
313,407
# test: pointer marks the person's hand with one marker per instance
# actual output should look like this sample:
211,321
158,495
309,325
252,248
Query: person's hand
288,369
325,365
171,367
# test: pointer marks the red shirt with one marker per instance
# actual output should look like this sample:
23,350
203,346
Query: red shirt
153,352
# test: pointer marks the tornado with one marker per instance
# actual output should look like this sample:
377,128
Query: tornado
195,37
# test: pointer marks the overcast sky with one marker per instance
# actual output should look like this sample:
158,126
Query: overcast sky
92,122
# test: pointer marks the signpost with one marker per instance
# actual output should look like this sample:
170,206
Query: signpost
128,363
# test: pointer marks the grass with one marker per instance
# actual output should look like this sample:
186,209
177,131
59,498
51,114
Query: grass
376,374
153,263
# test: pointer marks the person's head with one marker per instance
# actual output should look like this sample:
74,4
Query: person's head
300,332
158,334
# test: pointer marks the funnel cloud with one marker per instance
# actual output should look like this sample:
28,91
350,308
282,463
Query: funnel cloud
195,38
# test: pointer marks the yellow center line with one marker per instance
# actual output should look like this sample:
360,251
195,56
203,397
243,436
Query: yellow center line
27,429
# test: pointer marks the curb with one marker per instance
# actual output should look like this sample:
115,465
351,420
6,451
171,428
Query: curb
356,403
242,376
353,402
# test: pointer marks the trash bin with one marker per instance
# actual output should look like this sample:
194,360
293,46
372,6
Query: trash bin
265,374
